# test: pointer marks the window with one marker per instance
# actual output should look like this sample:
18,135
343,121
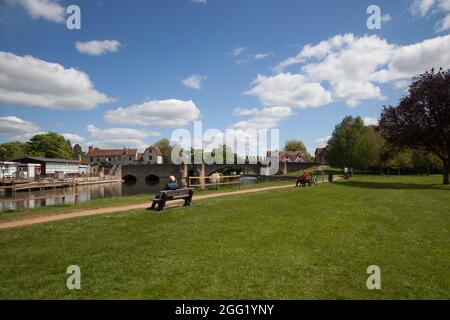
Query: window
150,157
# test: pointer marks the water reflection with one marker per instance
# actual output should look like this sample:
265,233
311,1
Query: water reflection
27,200
34,199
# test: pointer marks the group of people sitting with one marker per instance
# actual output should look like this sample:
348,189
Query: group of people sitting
305,179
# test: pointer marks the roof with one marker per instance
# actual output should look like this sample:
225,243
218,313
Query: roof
112,152
155,149
292,155
47,160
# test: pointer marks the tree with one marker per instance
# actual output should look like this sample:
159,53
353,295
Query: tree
166,149
354,145
49,145
422,118
12,150
294,145
77,152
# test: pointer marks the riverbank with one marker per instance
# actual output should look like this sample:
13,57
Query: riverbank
14,215
291,243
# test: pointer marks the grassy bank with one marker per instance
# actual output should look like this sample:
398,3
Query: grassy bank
299,243
11,215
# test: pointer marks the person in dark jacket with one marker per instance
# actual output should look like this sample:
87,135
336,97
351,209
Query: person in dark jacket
172,185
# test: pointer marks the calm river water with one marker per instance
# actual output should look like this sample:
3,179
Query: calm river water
24,199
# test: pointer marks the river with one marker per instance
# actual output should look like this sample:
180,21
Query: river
24,199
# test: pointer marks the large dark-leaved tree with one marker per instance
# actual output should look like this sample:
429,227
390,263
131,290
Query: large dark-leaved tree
422,118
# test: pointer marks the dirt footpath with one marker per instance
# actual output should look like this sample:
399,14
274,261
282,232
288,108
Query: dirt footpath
140,206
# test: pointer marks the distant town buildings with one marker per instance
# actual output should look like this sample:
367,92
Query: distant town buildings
111,156
151,155
293,156
31,167
320,154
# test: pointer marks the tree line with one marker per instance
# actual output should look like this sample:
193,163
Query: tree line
415,134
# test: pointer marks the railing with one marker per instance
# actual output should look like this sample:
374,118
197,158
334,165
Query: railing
219,181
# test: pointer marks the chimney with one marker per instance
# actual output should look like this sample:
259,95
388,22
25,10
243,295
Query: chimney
90,148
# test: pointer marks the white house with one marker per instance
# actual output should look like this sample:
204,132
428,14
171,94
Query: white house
151,155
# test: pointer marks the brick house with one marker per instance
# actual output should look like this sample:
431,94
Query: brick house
111,156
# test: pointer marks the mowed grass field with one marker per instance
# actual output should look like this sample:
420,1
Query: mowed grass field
299,243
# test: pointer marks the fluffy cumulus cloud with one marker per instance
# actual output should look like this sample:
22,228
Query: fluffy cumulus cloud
194,82
265,118
351,67
291,90
74,138
422,8
321,142
171,113
28,81
97,47
119,137
369,121
12,126
50,10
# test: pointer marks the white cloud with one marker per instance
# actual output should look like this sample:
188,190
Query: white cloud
245,112
194,82
74,138
286,89
237,51
265,118
97,47
12,125
443,24
369,121
31,82
200,1
172,113
423,7
49,10
321,142
260,56
354,67
386,18
119,137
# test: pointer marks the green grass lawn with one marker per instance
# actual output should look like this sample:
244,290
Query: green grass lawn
299,243
11,215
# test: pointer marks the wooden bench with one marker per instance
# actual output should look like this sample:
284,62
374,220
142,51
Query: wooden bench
169,195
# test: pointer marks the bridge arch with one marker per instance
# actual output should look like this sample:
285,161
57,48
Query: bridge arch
130,179
152,179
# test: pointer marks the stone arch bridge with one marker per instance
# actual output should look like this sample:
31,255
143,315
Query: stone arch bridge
162,172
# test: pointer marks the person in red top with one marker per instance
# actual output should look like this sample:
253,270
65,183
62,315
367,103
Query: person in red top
303,179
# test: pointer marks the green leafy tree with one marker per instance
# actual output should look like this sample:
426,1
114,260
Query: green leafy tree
77,152
422,118
12,150
354,145
294,145
49,145
166,149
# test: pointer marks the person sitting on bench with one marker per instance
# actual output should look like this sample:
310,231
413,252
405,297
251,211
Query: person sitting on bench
172,185
303,179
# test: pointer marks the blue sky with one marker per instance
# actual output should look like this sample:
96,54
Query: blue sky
299,66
